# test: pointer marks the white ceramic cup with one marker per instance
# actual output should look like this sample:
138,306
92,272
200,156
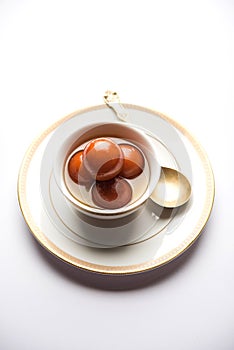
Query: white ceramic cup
128,133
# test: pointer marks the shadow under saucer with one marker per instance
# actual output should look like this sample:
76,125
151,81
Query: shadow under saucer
123,282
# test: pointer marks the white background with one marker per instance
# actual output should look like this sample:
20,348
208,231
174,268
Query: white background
174,56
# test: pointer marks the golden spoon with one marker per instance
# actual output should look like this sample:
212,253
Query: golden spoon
173,188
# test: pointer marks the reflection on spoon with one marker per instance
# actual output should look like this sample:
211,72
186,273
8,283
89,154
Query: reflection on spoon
173,188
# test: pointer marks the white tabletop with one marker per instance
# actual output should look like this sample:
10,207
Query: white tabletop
173,56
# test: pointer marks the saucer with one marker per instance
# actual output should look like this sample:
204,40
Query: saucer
163,235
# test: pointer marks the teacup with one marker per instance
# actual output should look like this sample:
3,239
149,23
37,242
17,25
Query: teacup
117,130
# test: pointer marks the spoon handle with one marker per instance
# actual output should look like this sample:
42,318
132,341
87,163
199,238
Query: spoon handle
113,101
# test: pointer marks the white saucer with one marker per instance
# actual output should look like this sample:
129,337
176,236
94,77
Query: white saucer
162,236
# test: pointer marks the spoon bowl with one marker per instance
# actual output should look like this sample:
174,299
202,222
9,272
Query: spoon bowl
172,190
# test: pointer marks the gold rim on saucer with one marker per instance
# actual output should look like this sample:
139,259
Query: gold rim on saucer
115,270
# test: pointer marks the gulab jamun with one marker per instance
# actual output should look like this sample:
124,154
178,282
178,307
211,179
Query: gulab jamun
112,194
103,159
133,163
76,169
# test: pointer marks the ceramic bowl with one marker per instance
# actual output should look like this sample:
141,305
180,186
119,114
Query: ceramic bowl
118,130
